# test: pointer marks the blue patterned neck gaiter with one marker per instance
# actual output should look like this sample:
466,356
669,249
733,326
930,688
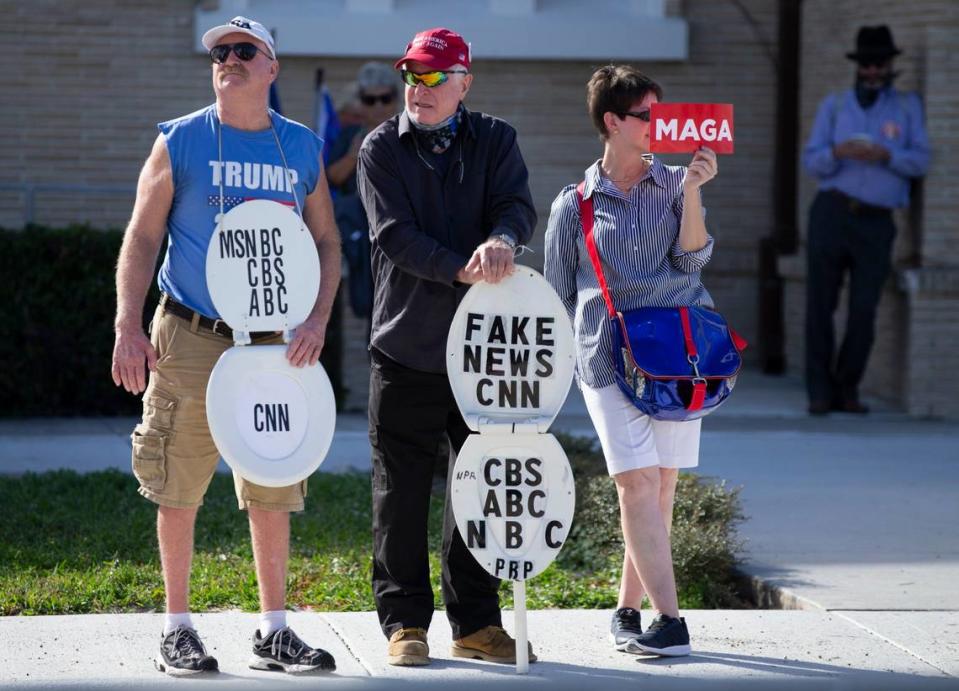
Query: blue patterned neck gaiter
438,138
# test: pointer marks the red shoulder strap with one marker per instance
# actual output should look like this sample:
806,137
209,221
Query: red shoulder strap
692,354
586,217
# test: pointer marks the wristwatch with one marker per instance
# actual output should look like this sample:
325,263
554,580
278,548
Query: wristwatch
505,237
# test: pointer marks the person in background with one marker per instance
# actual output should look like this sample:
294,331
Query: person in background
867,143
350,111
376,96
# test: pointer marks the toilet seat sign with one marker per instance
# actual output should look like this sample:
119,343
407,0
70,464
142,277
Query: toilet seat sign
513,501
262,268
510,350
271,413
272,423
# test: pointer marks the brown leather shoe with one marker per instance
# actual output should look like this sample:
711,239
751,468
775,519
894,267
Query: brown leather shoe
408,647
490,643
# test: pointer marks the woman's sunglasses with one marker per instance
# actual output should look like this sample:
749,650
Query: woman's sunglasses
371,100
244,51
429,79
640,114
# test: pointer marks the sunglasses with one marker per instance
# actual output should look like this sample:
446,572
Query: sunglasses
640,114
244,51
866,64
429,79
370,100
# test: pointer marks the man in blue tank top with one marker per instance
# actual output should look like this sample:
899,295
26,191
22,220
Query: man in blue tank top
232,151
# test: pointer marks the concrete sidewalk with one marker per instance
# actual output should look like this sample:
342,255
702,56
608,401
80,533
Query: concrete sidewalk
755,649
851,518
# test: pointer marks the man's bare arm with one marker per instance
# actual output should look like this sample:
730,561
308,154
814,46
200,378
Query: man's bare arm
307,344
138,255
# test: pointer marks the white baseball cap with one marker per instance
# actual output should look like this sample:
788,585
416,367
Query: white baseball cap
240,25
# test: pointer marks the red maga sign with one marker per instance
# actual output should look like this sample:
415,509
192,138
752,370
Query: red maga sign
684,127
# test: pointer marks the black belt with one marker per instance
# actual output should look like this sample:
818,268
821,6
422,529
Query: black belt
217,326
859,208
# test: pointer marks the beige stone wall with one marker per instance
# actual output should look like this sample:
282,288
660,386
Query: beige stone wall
84,84
900,369
87,81
933,361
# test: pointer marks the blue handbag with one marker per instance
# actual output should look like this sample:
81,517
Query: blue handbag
672,363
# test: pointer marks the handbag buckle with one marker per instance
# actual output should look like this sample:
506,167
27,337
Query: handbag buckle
694,361
637,382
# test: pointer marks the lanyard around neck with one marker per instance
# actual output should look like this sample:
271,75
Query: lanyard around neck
286,168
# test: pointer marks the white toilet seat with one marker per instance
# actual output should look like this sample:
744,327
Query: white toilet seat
534,468
272,423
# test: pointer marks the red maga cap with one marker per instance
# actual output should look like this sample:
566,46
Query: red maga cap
438,48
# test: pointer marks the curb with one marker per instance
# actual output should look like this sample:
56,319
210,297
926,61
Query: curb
765,594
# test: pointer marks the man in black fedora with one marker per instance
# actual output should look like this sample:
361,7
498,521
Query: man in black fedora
866,144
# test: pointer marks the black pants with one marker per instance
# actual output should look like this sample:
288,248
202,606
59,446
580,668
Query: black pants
842,238
410,414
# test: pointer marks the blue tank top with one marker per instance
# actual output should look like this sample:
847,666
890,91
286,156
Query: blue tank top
252,168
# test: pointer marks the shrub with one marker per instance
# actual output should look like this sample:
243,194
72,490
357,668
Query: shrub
705,544
57,305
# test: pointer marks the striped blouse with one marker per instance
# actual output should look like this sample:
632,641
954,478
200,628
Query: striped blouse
637,235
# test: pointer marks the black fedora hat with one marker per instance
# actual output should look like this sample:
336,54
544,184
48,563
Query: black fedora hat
874,43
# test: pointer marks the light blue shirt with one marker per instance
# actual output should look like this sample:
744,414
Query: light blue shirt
252,168
637,237
894,121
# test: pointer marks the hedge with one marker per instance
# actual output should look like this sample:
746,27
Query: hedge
57,305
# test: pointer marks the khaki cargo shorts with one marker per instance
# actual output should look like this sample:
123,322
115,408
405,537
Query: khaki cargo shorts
174,456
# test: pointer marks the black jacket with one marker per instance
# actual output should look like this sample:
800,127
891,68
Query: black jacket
424,228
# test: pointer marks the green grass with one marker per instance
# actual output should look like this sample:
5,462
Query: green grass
74,543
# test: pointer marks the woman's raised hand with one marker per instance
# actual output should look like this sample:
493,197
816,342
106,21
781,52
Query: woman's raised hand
702,169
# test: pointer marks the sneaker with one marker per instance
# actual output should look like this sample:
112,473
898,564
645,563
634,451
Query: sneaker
624,627
182,653
666,636
283,651
408,648
491,643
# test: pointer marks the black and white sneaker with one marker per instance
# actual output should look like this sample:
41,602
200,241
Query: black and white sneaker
182,653
624,627
283,651
666,636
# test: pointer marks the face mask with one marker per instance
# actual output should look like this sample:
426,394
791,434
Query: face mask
438,137
867,95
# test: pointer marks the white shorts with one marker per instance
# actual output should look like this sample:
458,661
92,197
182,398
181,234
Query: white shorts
632,440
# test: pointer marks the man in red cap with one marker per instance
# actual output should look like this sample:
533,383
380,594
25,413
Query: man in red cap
447,196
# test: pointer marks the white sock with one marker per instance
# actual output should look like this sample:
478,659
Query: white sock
174,620
272,621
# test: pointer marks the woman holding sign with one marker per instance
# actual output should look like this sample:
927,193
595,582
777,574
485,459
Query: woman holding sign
650,233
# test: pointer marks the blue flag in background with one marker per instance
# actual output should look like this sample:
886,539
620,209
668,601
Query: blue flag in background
325,122
275,99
